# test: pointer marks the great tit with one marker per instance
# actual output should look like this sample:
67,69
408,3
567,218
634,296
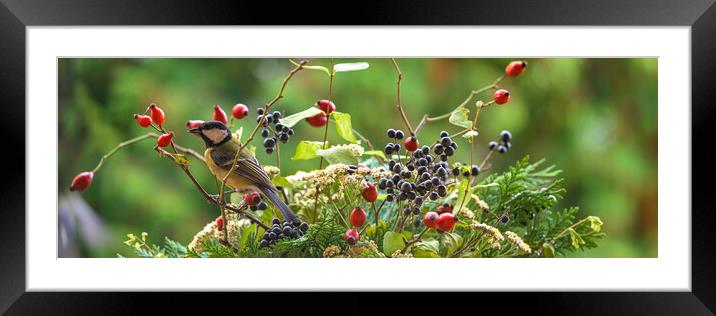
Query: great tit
221,147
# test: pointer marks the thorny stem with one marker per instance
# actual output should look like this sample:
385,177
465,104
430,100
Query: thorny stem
426,118
138,139
398,102
258,125
325,135
414,240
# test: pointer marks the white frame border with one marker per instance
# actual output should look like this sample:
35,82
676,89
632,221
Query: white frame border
671,271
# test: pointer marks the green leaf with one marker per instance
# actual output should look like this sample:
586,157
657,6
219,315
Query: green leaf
306,150
350,67
427,249
459,118
595,223
450,243
339,154
236,198
576,239
548,250
181,159
343,126
293,119
280,181
392,242
378,153
470,135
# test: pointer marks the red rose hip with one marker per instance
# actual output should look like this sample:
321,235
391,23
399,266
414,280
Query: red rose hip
252,198
444,208
515,68
157,114
411,143
143,120
194,123
351,236
326,106
317,120
164,140
220,223
446,221
501,96
219,114
81,181
430,219
370,192
239,111
357,217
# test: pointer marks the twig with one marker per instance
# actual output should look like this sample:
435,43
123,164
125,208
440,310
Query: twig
398,102
414,240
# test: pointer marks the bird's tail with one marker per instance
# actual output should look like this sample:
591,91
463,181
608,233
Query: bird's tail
288,215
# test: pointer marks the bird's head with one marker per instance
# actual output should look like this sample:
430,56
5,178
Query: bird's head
214,133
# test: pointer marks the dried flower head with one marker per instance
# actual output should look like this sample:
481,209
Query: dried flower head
518,242
331,251
493,234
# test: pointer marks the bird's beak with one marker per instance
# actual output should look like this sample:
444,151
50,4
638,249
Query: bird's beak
194,131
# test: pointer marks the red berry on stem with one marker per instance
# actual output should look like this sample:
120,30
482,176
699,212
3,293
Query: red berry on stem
351,236
326,106
144,121
164,140
411,143
220,223
444,208
239,111
370,192
219,115
157,114
446,221
317,120
430,219
81,181
252,198
357,217
515,68
194,123
501,96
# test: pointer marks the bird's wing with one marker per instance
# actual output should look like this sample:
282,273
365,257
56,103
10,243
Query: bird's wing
249,168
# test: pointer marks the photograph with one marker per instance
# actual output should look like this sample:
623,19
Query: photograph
302,157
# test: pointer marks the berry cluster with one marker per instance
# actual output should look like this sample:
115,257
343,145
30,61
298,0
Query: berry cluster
396,135
285,231
505,143
272,135
423,176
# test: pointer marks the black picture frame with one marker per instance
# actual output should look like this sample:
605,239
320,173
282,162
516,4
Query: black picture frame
16,15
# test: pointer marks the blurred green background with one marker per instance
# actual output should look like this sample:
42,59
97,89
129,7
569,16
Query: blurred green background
595,118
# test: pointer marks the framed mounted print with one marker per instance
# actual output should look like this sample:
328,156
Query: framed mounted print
160,156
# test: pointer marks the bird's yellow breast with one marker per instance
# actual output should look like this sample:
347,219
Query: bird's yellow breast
235,181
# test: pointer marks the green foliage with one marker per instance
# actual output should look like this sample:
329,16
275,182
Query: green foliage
459,118
307,150
343,126
295,118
